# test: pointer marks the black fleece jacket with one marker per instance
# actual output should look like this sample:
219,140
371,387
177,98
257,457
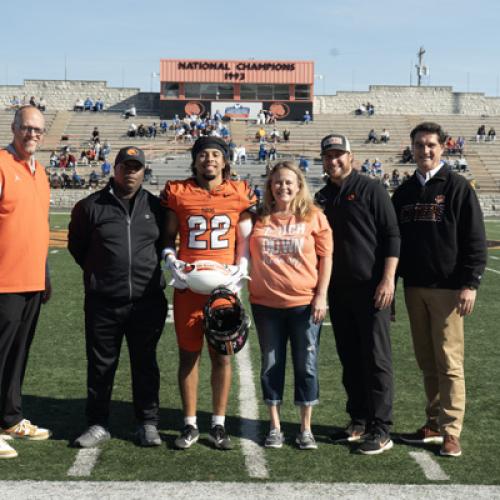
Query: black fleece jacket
443,242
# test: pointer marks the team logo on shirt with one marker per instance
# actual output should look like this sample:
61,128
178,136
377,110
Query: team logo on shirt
350,197
439,199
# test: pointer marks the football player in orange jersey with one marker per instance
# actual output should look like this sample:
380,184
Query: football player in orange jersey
210,213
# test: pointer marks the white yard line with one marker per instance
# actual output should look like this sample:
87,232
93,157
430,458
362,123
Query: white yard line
255,461
492,270
124,490
431,469
494,257
84,462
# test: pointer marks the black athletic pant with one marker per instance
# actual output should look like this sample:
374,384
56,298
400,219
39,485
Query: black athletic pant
18,318
106,323
364,348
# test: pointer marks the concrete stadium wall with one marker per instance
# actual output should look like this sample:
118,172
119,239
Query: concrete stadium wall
406,100
65,199
62,94
387,99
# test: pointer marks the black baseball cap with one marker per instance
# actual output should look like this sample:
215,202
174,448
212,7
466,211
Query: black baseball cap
335,141
130,153
210,142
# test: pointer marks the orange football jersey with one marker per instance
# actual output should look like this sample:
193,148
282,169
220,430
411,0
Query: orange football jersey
208,219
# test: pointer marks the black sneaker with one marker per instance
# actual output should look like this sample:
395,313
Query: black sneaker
218,437
189,436
352,433
376,443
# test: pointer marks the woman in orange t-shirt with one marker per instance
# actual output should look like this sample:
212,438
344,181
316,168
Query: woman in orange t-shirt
291,250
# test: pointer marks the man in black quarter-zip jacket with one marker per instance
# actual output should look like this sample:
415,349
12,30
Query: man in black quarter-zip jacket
443,256
366,251
114,236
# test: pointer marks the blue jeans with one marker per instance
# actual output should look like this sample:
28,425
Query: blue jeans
274,328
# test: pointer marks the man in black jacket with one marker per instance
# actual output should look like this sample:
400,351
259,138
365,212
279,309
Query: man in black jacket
114,236
443,256
366,248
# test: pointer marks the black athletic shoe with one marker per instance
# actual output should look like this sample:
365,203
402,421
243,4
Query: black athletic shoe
218,437
189,436
376,443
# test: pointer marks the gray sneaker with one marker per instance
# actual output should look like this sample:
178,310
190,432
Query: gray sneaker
189,436
147,435
274,439
305,441
93,436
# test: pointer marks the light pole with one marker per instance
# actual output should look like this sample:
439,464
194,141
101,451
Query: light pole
153,75
323,79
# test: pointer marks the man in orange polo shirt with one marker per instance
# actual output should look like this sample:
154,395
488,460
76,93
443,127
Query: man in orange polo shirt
24,281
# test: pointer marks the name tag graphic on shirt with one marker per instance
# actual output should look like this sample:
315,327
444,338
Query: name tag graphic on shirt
422,212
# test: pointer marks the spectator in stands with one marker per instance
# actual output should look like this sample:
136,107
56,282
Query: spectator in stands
406,176
481,133
262,153
42,104
141,130
271,118
407,155
460,143
275,135
385,136
306,118
99,105
15,102
97,149
71,160
258,193
132,130
451,145
365,167
491,134
261,134
88,104
132,111
105,168
163,126
83,158
377,167
370,109
76,179
55,180
372,137
93,179
461,164
241,154
261,118
33,101
152,131
304,164
179,133
79,105
54,159
395,178
95,135
361,110
148,173
106,149
273,153
286,135
386,181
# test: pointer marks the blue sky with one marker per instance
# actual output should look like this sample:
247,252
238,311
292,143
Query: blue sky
353,44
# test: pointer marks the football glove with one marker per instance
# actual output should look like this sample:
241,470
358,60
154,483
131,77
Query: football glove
175,266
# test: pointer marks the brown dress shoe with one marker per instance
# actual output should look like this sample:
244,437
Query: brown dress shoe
451,446
424,435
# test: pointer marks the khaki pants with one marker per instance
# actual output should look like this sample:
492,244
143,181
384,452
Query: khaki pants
438,340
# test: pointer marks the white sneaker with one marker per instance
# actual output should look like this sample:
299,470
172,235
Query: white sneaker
25,430
6,451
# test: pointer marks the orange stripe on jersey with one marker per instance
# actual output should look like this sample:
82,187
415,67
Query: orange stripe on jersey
208,219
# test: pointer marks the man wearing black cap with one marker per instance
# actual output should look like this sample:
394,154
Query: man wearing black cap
209,212
366,246
114,236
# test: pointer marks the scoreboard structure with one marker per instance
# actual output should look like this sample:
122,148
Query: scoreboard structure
236,88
